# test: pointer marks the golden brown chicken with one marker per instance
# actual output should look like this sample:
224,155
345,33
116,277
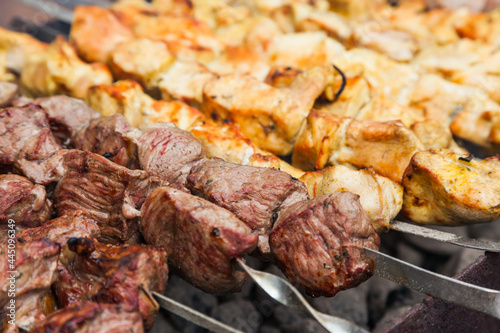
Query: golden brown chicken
441,187
58,70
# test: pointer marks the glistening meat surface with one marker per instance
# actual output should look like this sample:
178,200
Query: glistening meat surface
256,195
200,237
318,244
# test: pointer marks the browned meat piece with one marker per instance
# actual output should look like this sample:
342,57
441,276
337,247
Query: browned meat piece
106,136
255,195
67,115
35,265
8,92
90,317
25,133
318,244
25,203
106,273
201,238
168,152
107,192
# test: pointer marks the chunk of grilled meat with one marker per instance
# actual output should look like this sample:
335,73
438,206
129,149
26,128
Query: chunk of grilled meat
28,273
442,187
200,237
58,70
329,140
271,117
87,317
106,136
25,203
107,192
380,197
25,134
96,32
124,274
67,115
318,244
168,152
8,91
255,195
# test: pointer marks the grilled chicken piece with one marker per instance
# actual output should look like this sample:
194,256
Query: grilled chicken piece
226,141
67,115
310,49
106,136
328,140
34,265
107,192
8,91
86,317
184,81
141,59
96,32
308,19
58,70
270,117
436,135
15,48
318,244
201,238
255,195
168,152
380,197
25,135
97,272
127,98
25,203
444,188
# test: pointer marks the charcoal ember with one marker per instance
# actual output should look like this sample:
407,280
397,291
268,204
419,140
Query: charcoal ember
460,260
269,329
240,314
109,193
97,272
256,195
378,295
35,267
318,244
203,239
292,321
107,136
91,317
163,323
67,115
409,253
8,92
434,246
390,316
25,203
25,134
168,152
189,295
349,304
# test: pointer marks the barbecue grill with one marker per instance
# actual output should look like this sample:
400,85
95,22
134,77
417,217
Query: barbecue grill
253,311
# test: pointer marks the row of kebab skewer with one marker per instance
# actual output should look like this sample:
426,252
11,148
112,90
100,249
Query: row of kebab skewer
86,189
113,187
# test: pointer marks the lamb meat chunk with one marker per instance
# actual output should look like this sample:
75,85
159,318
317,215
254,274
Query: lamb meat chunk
106,136
35,266
318,244
67,115
25,203
168,152
201,238
90,317
107,192
118,274
73,225
256,195
25,133
8,92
